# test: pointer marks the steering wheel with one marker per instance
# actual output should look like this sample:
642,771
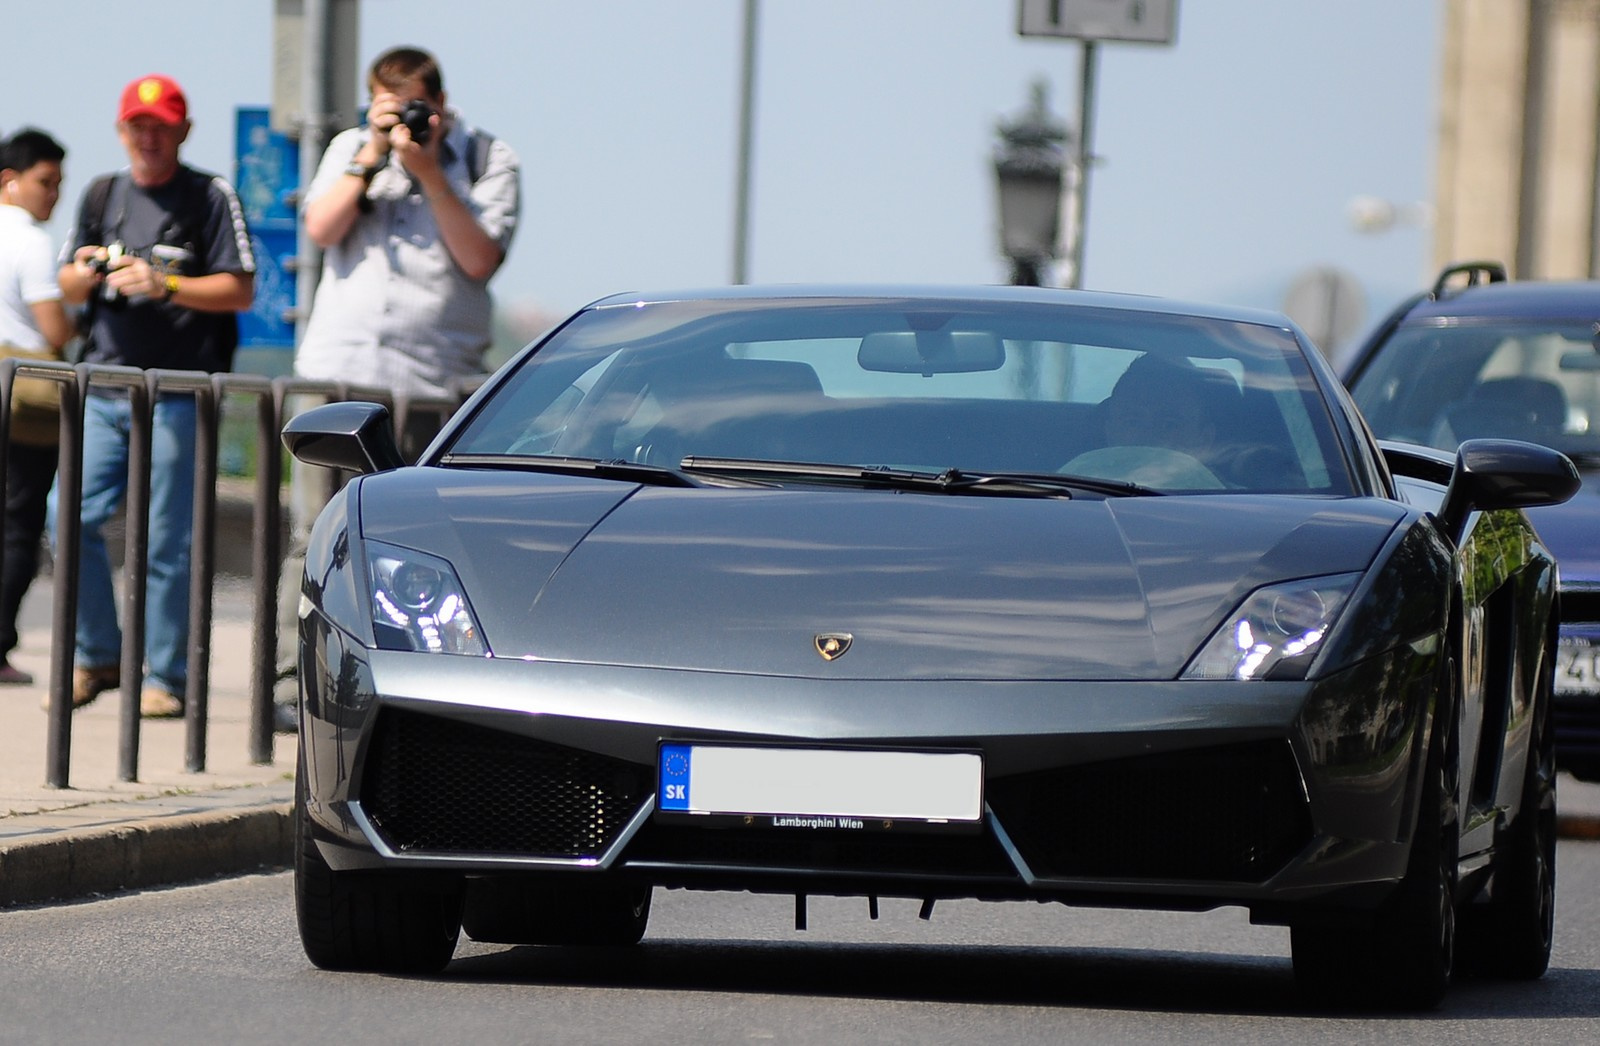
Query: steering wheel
1158,467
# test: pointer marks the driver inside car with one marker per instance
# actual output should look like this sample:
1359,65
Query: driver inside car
1159,426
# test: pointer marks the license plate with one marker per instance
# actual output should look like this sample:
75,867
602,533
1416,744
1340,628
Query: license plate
820,788
1577,667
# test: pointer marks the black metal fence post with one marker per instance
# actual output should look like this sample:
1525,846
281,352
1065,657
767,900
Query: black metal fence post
266,560
64,618
141,386
202,573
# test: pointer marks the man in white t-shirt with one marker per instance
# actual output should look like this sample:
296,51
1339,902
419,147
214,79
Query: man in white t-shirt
32,319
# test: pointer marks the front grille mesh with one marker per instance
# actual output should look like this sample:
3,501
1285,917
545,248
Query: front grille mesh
1233,813
436,785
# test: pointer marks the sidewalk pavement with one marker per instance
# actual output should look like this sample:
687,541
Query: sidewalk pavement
101,834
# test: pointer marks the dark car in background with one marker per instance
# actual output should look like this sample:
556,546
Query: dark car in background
997,593
1480,355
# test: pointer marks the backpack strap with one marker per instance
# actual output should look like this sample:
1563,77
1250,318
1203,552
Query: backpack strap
478,155
95,203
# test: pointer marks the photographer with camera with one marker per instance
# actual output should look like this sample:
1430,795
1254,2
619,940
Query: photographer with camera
160,257
415,211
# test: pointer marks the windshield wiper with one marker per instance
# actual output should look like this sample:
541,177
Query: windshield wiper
604,468
946,481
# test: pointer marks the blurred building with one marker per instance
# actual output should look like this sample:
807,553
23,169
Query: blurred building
1519,136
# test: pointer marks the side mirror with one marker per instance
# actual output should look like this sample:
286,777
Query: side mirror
355,437
1504,473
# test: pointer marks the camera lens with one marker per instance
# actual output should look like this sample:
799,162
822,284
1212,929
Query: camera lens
415,116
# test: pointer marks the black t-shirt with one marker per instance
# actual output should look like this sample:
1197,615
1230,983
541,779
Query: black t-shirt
190,226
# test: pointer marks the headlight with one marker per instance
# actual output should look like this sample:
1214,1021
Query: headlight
1276,632
418,603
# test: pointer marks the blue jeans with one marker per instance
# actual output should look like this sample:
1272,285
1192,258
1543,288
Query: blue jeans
106,428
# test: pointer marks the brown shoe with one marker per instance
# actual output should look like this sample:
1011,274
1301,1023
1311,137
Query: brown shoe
90,683
157,703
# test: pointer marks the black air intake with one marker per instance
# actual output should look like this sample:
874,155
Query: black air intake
1229,814
435,785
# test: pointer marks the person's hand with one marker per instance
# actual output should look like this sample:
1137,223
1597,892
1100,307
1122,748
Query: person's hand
383,116
90,262
134,277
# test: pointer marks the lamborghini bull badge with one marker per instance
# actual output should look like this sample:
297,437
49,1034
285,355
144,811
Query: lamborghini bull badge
832,645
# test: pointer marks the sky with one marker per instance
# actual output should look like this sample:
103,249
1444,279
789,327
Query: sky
1225,166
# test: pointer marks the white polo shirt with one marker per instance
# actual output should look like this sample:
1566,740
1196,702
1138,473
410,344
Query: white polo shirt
27,277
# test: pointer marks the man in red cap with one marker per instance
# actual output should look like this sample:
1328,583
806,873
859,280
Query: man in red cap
161,258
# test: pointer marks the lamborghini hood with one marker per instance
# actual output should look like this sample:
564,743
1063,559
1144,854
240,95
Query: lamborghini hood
925,586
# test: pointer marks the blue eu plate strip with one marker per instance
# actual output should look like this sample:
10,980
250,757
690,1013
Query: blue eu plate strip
675,764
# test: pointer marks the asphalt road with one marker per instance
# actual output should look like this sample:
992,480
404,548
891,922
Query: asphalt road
221,962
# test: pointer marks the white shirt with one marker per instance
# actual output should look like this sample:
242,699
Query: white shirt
27,277
392,308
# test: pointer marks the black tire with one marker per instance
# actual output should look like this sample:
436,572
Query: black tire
1511,936
1405,957
376,921
528,911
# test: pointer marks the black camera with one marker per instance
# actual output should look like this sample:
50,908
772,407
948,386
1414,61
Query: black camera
415,116
103,265
109,295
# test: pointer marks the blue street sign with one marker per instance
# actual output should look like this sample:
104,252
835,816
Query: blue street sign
267,178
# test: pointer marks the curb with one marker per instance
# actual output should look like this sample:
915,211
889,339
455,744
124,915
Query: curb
155,852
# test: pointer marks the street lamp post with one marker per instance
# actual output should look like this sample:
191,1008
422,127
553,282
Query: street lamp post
1030,168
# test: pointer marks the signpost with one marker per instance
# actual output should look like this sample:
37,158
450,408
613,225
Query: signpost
1090,21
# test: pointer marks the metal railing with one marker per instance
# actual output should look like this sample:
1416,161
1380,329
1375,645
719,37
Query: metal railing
210,392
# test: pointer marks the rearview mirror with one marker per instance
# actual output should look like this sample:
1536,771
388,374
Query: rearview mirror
931,352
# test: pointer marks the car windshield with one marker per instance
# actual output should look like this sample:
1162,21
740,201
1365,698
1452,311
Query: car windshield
1440,385
1167,403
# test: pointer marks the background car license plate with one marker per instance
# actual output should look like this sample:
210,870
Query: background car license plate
821,788
1577,667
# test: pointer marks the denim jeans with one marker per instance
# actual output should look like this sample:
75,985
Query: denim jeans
106,428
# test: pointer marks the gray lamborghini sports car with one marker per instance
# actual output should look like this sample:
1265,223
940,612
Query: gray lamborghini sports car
993,593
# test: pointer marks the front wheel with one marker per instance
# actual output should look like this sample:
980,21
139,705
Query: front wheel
1405,956
377,921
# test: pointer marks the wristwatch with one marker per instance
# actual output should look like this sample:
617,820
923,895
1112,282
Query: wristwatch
360,170
171,283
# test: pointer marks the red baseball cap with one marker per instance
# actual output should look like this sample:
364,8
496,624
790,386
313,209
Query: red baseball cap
155,95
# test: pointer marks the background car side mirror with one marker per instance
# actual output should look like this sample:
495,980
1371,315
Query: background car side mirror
353,436
1504,473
